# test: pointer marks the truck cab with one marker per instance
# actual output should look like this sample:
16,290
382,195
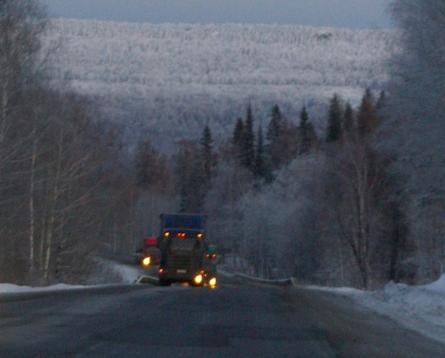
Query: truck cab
149,255
183,247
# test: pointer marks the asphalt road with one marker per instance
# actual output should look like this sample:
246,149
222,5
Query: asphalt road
236,320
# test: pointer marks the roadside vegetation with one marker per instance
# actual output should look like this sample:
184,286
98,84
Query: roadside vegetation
63,185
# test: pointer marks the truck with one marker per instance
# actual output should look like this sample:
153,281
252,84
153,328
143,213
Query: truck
184,251
149,255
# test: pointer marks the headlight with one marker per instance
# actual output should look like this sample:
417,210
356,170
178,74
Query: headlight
212,282
146,261
198,279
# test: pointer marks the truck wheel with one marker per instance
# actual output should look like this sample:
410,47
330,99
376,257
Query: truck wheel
163,282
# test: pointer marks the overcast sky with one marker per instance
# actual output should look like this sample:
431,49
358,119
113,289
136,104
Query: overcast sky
339,13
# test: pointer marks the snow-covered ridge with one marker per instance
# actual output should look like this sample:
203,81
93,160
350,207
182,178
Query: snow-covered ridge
221,54
191,72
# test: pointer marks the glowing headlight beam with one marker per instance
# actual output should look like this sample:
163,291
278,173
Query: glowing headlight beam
212,282
198,279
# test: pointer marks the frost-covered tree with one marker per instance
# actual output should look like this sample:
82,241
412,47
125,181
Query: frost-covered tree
416,131
232,181
172,78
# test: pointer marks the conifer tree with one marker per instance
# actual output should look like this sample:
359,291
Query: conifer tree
306,133
335,115
188,177
262,167
275,125
200,179
381,101
367,117
208,160
143,162
282,140
238,132
348,118
259,156
248,142
182,178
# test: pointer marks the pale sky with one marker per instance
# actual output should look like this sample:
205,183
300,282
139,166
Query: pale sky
337,13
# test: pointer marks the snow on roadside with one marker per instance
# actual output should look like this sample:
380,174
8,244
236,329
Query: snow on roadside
12,288
420,308
126,273
117,272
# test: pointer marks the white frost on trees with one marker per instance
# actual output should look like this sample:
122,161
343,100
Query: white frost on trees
170,79
417,129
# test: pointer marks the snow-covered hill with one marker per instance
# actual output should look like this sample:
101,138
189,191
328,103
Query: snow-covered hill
171,78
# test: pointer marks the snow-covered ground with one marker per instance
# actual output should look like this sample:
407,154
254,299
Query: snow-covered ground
8,288
126,273
120,273
420,308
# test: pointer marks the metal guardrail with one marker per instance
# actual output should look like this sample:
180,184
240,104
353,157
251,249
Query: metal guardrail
275,282
145,279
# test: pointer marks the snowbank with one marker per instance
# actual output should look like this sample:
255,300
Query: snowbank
126,273
438,286
11,288
117,272
420,308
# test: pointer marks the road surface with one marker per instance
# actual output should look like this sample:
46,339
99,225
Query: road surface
236,320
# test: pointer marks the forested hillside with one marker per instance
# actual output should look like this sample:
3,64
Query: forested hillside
170,79
348,192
